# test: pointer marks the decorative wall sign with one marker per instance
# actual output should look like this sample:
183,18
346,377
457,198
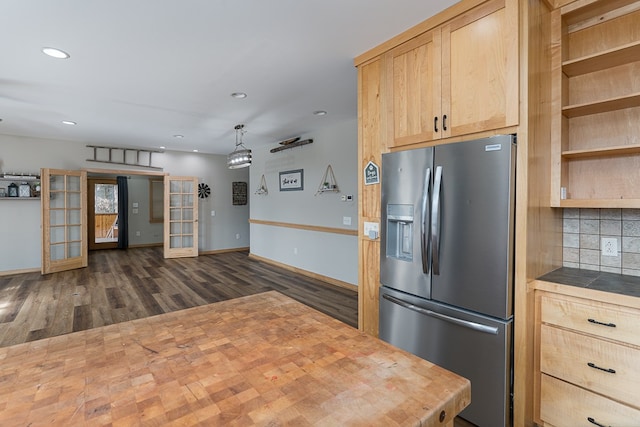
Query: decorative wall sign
239,193
371,174
203,190
292,180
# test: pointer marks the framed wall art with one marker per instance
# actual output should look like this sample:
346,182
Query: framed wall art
239,193
292,180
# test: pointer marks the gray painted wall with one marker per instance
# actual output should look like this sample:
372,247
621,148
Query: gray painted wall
328,254
20,237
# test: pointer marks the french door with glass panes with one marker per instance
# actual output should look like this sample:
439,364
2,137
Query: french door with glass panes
180,216
64,220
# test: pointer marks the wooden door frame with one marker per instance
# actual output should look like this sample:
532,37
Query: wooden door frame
91,212
116,172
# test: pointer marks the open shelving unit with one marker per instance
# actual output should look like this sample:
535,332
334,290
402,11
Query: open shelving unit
596,104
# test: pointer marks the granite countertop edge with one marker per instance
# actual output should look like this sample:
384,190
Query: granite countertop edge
596,280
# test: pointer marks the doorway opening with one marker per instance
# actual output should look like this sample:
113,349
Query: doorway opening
103,213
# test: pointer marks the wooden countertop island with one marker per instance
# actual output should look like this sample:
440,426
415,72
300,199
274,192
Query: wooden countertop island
263,360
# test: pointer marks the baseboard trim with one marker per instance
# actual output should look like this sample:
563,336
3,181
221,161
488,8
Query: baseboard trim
223,251
330,280
145,245
21,271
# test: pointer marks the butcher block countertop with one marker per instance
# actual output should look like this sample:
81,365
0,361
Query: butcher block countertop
263,360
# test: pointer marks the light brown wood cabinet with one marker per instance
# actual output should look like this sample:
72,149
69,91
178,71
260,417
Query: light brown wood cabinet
589,361
486,65
371,117
456,79
596,104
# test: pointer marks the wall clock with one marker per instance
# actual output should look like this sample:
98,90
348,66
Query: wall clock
203,190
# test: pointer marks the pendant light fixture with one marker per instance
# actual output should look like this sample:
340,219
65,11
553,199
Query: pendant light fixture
241,156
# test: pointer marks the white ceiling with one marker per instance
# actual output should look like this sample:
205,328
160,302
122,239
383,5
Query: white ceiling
142,71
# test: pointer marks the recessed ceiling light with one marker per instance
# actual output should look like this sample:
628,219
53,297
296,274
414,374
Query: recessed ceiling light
195,151
55,53
162,147
320,113
239,95
69,122
178,136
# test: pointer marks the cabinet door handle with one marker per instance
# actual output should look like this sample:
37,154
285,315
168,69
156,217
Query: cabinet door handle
444,122
594,321
594,366
435,124
593,421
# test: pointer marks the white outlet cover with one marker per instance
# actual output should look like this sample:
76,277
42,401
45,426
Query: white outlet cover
609,246
371,226
346,220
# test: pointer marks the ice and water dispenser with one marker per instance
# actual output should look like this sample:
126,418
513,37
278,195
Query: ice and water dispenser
400,232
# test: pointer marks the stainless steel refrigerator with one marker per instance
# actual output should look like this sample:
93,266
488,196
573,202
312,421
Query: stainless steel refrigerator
446,264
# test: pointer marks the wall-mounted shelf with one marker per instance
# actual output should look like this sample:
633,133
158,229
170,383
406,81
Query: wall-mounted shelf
123,156
31,183
599,61
621,150
262,189
328,182
606,105
291,145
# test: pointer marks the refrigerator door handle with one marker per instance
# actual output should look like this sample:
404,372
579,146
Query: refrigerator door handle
464,323
424,237
435,221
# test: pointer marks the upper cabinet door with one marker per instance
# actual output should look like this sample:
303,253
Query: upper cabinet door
413,86
64,220
480,69
180,216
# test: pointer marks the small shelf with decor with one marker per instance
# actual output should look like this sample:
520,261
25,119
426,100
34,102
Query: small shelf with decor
328,182
595,123
262,189
19,186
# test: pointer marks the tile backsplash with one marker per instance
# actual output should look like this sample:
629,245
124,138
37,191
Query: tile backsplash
583,231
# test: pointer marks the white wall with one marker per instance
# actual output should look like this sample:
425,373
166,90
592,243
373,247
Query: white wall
328,254
20,234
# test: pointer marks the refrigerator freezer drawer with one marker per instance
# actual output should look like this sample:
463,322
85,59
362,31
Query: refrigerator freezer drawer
473,346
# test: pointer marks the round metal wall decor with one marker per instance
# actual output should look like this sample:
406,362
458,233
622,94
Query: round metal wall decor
203,190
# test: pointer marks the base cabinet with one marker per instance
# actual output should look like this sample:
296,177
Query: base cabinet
563,404
588,362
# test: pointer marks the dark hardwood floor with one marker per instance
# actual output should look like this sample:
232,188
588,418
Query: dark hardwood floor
125,285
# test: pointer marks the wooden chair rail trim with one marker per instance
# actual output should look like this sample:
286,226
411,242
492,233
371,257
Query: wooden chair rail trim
321,229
